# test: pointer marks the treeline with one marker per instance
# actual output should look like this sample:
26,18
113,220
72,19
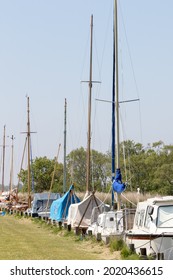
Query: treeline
150,169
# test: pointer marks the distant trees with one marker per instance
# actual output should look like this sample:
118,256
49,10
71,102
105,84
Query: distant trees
41,175
150,169
100,169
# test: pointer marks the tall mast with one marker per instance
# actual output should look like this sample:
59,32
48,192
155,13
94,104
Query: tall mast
28,142
117,88
65,133
117,95
113,113
118,186
88,184
3,161
11,171
21,167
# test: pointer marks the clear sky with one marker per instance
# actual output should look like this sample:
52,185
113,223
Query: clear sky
44,53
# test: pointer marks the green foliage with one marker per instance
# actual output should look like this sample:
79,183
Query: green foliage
149,169
128,254
100,169
42,173
116,244
125,252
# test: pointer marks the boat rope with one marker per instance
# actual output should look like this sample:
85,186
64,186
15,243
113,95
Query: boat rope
31,163
132,67
123,146
103,202
53,175
128,199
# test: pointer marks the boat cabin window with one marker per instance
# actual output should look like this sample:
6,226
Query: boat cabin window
165,216
148,216
140,218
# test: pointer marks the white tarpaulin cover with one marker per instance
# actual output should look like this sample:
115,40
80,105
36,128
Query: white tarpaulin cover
79,214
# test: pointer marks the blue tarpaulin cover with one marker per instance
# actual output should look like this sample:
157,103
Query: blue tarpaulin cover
117,184
59,208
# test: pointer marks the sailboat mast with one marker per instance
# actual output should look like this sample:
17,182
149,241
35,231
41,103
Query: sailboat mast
65,132
117,95
88,187
113,114
116,87
3,161
11,171
28,138
21,168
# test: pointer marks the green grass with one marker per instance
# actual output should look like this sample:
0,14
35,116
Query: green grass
30,239
117,244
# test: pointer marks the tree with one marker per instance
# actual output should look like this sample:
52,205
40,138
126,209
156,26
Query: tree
76,165
150,169
41,172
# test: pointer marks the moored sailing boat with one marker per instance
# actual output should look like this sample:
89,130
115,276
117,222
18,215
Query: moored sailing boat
80,213
114,222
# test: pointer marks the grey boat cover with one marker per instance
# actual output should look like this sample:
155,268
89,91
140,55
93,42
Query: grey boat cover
42,202
79,214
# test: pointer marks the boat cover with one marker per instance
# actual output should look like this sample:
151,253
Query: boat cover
80,213
42,201
117,184
59,208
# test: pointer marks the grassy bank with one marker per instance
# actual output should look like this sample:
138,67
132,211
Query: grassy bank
26,239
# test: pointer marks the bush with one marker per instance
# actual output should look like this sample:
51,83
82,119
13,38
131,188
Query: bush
128,254
116,244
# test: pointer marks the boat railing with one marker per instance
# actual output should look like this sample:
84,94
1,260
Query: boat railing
128,218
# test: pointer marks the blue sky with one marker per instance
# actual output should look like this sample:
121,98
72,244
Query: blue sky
44,53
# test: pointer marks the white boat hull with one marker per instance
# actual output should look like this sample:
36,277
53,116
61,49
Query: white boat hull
155,244
152,230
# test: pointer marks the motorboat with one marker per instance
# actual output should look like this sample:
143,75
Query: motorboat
152,231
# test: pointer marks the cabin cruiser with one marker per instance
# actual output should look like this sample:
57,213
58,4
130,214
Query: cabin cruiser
152,231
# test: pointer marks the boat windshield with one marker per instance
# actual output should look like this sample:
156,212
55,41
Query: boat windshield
165,216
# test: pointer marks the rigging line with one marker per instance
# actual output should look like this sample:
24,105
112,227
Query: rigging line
129,161
53,175
129,51
96,127
95,47
71,135
134,76
84,102
82,95
124,152
128,200
103,202
85,58
140,121
106,35
124,155
80,114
